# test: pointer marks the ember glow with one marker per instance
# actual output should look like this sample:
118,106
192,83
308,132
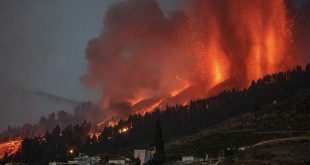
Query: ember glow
145,60
10,147
123,130
100,123
94,134
71,151
107,123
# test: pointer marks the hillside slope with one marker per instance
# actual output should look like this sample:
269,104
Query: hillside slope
289,115
286,118
292,150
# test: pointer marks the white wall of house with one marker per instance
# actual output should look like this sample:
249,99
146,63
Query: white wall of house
120,162
188,158
141,155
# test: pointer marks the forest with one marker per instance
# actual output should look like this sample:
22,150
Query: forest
137,131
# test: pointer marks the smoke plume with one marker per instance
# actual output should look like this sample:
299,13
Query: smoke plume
144,55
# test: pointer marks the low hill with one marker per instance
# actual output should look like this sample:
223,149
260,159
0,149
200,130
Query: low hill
288,115
31,104
293,150
287,118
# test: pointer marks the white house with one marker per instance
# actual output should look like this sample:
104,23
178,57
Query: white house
188,158
117,160
144,155
57,163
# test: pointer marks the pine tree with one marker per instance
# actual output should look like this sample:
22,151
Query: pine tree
159,155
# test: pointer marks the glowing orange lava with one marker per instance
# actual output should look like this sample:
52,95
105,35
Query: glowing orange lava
248,43
269,37
176,92
10,147
152,107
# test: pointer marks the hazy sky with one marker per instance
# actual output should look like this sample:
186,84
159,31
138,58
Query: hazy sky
42,44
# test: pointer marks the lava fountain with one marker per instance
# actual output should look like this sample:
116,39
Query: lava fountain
241,40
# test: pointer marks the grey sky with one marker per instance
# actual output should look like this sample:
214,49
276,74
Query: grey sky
42,45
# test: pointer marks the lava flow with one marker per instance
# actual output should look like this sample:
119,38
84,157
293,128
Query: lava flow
10,147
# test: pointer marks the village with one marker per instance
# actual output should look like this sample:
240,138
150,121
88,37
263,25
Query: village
139,157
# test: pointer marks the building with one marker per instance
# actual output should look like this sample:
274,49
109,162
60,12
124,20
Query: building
81,159
117,160
188,158
144,155
191,159
57,163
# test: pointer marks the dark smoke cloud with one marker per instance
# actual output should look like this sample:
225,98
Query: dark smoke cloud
136,55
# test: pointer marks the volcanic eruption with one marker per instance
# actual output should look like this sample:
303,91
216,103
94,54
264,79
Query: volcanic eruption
145,59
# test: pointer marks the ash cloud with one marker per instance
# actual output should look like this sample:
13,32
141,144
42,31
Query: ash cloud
137,54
